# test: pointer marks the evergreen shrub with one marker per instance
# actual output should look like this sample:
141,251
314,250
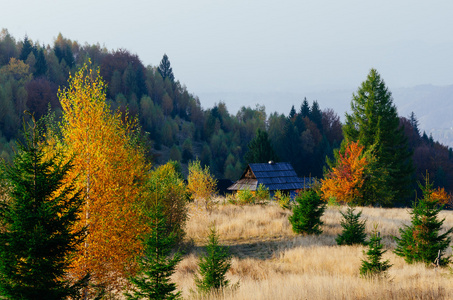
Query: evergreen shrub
306,217
152,281
373,266
213,266
353,229
421,241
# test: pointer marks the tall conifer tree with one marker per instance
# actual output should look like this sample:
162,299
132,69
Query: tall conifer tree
260,149
374,122
41,64
165,69
37,218
292,113
316,115
27,48
305,109
414,122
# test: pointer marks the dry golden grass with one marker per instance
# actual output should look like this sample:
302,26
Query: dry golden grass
237,224
271,262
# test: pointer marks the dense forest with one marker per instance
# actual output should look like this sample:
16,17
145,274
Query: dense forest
173,122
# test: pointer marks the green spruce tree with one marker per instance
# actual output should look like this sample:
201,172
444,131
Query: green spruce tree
260,149
37,216
292,113
306,217
156,263
421,241
305,109
414,123
373,265
27,48
213,266
165,69
375,124
41,63
353,229
316,115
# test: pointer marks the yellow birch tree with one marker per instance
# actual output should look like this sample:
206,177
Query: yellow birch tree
111,169
201,184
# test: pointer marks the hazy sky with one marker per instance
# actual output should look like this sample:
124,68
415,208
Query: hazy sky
258,46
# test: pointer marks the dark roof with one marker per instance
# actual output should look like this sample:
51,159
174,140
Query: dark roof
274,176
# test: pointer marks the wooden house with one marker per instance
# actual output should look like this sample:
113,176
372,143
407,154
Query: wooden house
274,176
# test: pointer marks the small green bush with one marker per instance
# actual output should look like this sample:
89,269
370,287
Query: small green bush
306,217
245,197
282,200
262,193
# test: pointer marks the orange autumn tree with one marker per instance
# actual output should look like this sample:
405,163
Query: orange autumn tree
111,170
356,178
438,195
344,182
441,196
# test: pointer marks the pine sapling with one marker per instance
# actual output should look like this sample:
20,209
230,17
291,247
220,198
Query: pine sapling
353,229
421,241
156,264
213,266
373,266
306,217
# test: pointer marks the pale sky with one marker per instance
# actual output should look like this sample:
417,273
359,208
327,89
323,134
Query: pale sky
261,46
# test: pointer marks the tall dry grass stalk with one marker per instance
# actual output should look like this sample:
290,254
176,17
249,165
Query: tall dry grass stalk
271,262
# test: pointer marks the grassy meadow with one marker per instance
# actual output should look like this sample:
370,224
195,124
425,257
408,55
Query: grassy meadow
271,262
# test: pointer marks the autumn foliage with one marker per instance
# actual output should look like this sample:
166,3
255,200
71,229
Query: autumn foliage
110,169
201,184
344,181
440,196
